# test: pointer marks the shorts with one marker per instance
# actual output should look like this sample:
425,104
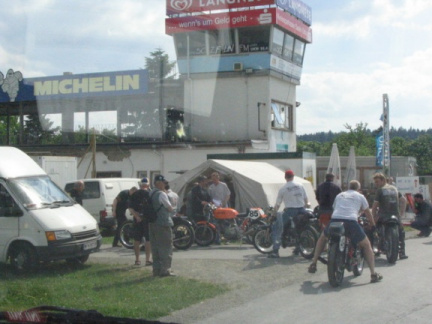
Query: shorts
141,230
352,229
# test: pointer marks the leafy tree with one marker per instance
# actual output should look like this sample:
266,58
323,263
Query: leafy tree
158,65
38,129
13,129
421,149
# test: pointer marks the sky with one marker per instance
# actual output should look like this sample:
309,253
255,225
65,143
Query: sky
360,51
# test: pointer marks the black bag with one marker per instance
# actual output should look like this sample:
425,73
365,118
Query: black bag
149,212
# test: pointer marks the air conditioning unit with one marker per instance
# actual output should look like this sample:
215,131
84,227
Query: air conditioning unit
238,66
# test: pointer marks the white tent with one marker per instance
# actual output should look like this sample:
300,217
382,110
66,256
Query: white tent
255,184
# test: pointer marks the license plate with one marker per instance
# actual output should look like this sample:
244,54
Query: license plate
89,245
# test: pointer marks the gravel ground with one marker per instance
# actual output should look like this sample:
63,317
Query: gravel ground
248,277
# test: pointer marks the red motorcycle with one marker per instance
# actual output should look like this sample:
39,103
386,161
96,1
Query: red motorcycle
232,225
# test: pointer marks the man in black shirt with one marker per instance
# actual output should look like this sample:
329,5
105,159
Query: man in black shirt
423,215
76,192
119,207
199,198
325,195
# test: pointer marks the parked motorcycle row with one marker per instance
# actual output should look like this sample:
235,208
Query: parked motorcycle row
252,227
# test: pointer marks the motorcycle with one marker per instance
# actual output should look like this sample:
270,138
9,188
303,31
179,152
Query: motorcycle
183,233
342,255
386,238
301,232
251,221
206,230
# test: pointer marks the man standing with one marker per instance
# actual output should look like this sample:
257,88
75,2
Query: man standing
160,230
76,192
141,225
385,205
219,191
325,195
347,207
294,197
199,198
119,207
423,215
173,198
220,195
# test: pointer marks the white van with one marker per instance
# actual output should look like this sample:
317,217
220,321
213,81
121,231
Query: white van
39,222
99,194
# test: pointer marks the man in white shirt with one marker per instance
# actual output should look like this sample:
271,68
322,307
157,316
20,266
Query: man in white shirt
294,197
346,209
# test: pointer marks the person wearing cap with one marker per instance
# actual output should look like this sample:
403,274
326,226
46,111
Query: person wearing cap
160,230
140,225
294,197
423,216
119,207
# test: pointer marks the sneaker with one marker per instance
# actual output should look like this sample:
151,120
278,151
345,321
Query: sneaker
312,268
403,256
167,274
273,255
376,277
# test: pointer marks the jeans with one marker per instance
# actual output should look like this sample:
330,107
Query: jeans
281,220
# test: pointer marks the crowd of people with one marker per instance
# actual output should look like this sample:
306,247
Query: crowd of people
334,205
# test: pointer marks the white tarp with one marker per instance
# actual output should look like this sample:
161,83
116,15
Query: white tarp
351,169
256,184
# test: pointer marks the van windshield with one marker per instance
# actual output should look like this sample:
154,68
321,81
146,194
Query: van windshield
39,192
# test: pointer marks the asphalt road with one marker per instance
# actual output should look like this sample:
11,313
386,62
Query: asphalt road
280,290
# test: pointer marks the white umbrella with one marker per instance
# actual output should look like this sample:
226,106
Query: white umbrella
351,169
334,165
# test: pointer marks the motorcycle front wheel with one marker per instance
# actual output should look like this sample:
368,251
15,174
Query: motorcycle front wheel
392,243
183,236
335,265
126,235
262,241
204,235
308,238
358,262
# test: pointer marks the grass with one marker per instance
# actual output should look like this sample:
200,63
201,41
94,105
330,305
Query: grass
112,290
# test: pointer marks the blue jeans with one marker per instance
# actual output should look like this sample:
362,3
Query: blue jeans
421,225
281,220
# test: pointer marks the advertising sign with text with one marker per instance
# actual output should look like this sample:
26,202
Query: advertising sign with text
237,19
298,9
188,6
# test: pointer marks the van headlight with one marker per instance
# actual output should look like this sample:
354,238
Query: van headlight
58,235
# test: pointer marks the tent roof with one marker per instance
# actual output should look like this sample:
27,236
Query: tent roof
256,184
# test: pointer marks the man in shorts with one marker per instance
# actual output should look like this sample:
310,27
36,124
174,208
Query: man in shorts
141,225
346,209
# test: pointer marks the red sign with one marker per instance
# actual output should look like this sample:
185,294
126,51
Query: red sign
187,6
238,19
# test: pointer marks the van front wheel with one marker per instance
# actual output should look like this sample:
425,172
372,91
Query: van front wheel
23,257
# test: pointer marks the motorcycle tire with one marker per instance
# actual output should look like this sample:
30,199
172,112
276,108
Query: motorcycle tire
335,265
392,243
183,236
251,230
126,235
358,262
308,238
262,241
204,235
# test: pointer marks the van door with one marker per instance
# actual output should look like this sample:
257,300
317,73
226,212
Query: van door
9,218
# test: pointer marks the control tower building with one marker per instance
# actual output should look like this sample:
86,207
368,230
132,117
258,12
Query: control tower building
241,61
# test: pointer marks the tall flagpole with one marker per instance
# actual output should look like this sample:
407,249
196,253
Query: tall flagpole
386,136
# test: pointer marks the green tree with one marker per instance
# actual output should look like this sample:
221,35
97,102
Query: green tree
13,130
421,149
158,65
38,129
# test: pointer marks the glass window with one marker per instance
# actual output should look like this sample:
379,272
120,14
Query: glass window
278,41
281,116
288,47
221,42
298,52
180,41
197,43
254,39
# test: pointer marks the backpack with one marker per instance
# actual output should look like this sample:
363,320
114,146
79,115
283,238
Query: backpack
149,212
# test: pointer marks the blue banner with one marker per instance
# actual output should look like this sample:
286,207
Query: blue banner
297,9
379,149
75,86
